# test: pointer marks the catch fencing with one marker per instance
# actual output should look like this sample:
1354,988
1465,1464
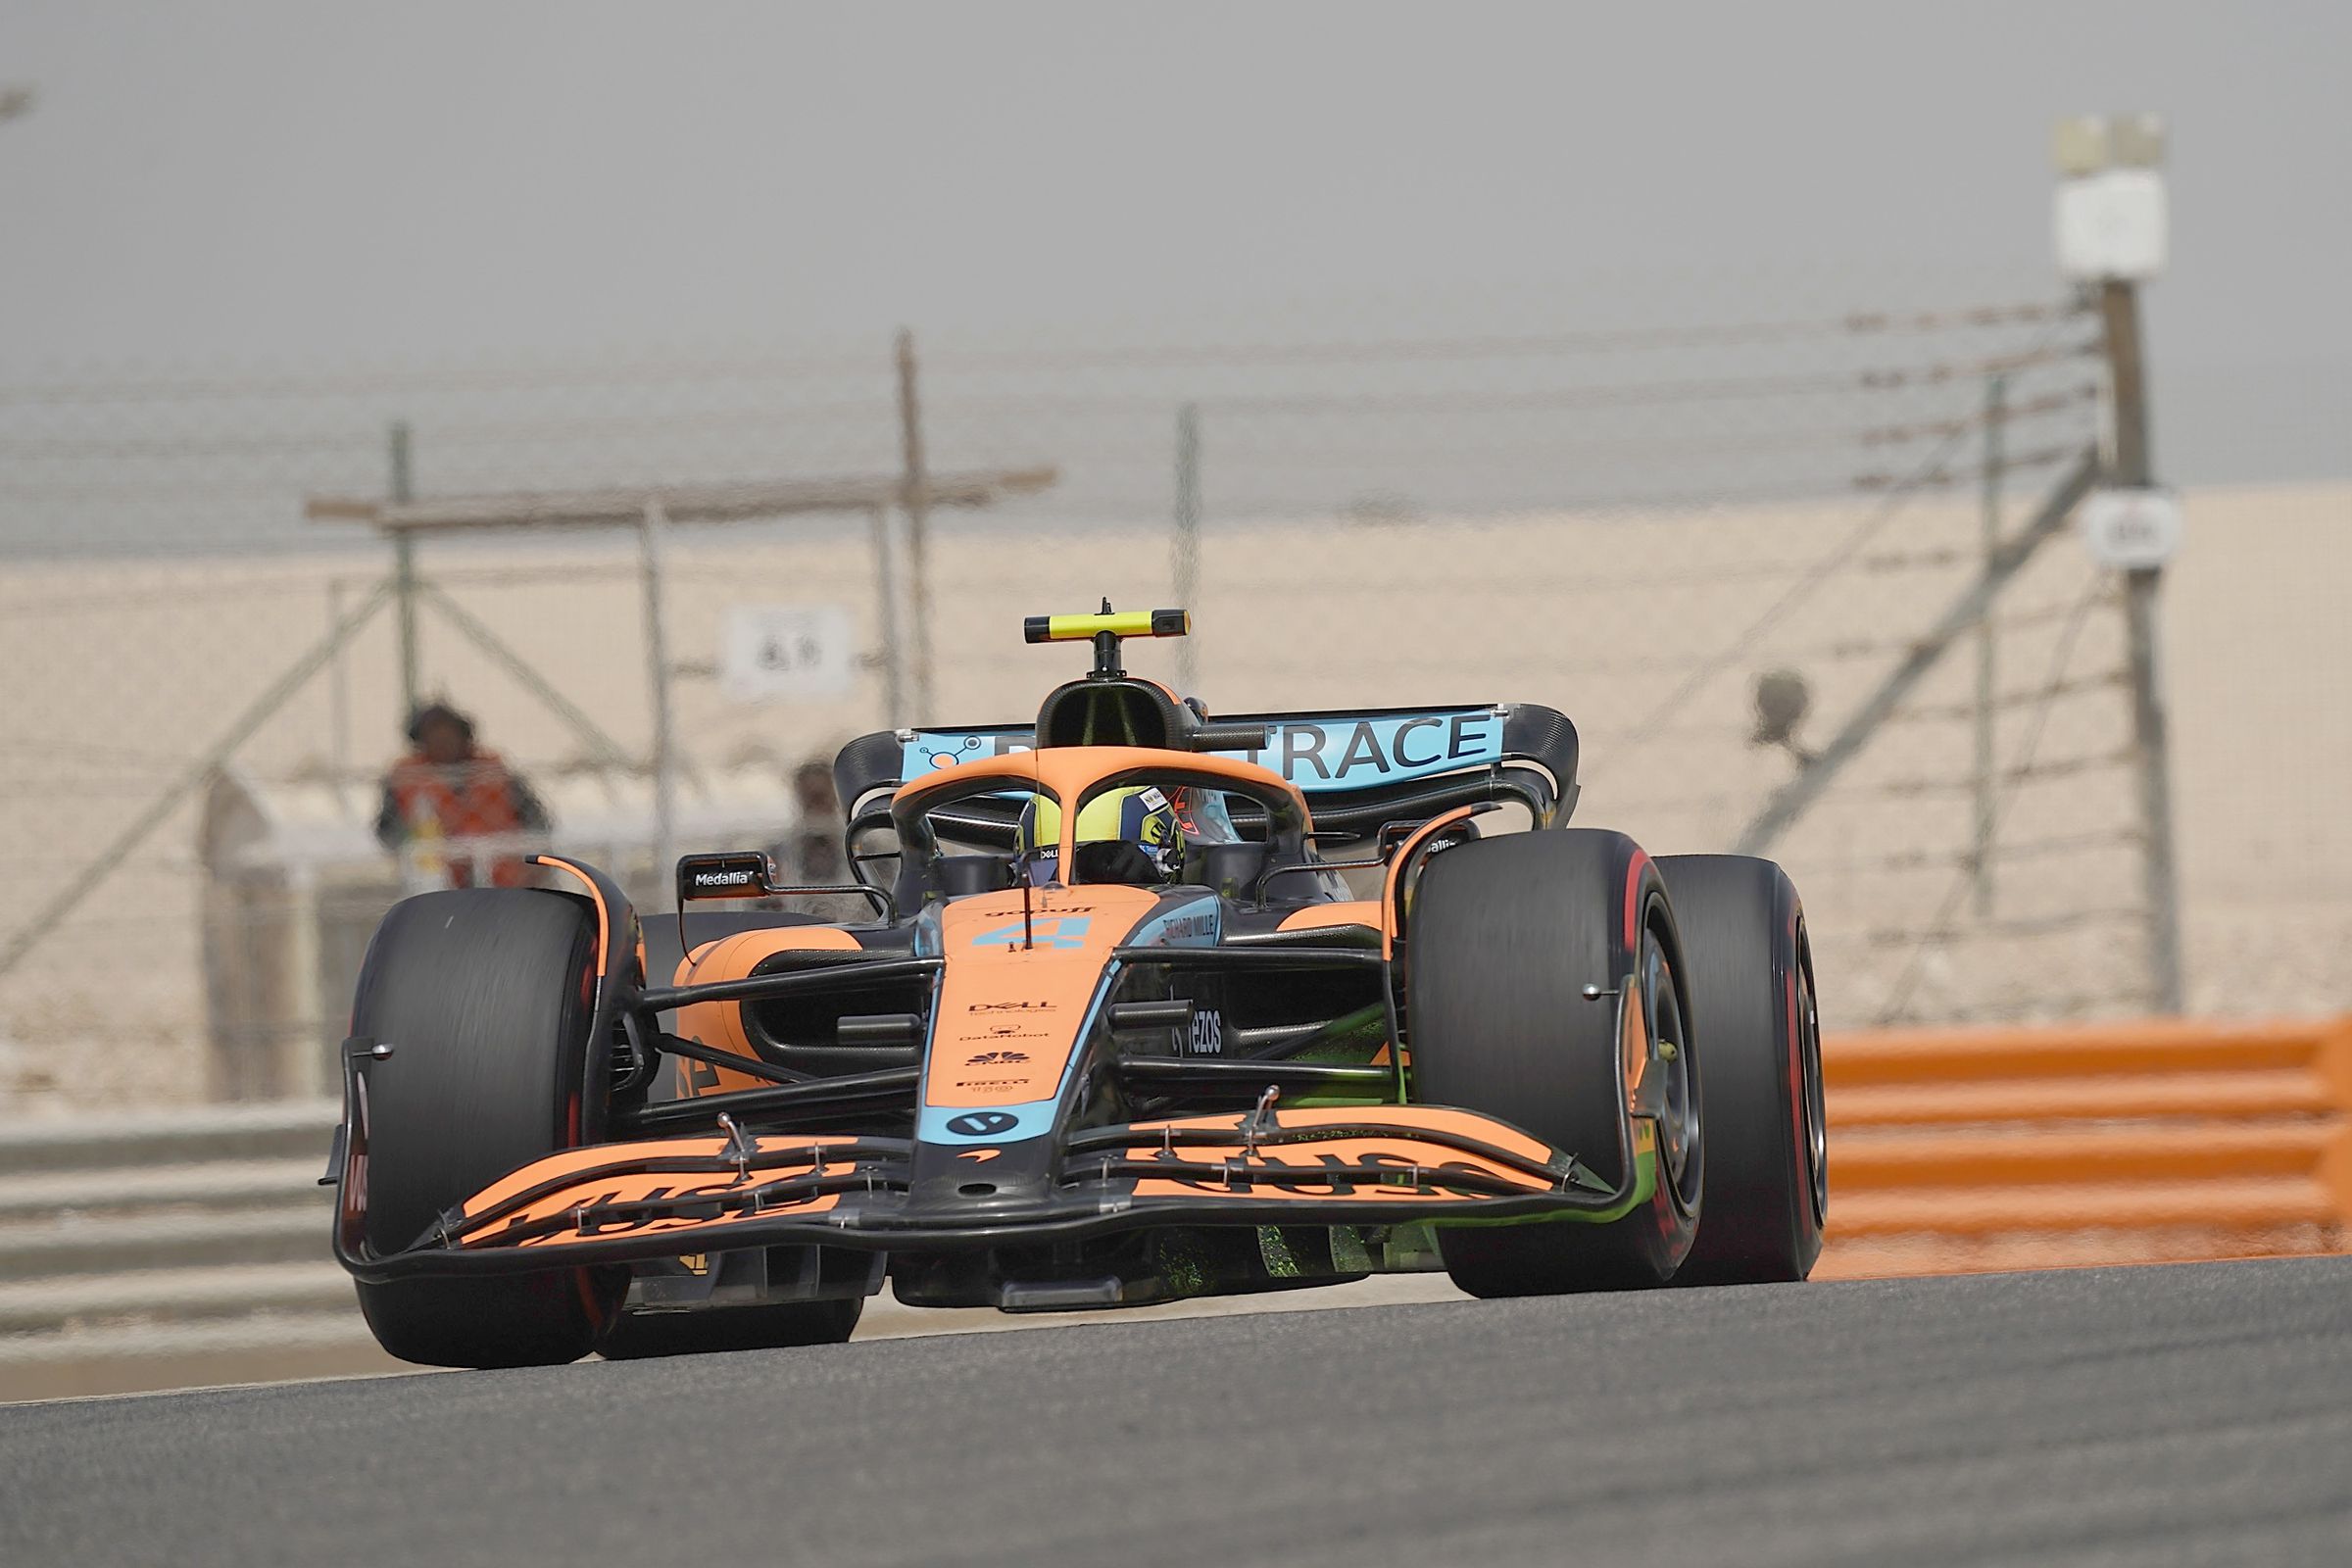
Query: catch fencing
1710,545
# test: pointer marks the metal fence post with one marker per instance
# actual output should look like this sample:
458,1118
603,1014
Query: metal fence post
886,608
651,541
404,570
1184,567
917,501
1981,841
2131,465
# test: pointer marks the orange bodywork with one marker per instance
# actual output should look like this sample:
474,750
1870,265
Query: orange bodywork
604,916
623,1187
1009,1015
1318,916
1015,991
1391,892
720,1024
1067,772
1401,1151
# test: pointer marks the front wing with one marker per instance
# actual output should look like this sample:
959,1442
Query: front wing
663,1198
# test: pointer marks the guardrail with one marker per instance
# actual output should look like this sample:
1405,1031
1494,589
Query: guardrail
1976,1149
166,1248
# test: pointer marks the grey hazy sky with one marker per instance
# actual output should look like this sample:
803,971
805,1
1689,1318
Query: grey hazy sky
299,182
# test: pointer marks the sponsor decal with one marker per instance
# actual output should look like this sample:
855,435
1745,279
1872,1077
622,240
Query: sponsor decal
996,1058
1044,931
1209,1033
1012,1006
978,1157
721,876
930,752
1010,1031
993,1086
982,1123
1317,755
1356,752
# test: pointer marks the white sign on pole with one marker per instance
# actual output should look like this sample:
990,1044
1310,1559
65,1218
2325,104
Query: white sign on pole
2131,530
768,651
2112,224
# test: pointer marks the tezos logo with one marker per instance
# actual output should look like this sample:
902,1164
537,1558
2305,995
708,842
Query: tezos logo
1209,1033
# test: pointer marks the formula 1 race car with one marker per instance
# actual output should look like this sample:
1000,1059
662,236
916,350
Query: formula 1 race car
1120,1031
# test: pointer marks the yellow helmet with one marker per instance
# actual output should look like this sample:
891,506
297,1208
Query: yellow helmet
1124,835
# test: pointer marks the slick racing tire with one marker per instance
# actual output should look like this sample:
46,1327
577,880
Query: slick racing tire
1504,935
484,996
1749,969
637,1335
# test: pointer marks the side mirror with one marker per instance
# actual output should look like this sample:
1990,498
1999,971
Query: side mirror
741,874
751,874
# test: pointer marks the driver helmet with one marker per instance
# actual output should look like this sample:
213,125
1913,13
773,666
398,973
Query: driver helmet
1124,835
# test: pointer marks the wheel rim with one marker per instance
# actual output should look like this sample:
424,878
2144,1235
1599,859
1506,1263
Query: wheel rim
1817,1131
1670,1058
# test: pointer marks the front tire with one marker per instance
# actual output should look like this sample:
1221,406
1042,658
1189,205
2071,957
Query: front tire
1504,935
485,996
1750,969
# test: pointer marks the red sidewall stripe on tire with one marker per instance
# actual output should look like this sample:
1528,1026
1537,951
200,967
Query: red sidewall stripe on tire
1800,1136
1633,900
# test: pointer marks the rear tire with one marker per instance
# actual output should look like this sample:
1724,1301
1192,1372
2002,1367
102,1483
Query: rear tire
1504,935
1751,973
485,996
638,1335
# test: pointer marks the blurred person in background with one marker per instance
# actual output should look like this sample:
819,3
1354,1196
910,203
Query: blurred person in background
447,791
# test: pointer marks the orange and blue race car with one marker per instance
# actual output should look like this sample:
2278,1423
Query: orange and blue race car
1151,1005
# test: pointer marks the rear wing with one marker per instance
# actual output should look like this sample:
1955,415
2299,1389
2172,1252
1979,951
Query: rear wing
1360,770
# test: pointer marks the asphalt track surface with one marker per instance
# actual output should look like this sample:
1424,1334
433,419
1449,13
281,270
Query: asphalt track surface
2198,1413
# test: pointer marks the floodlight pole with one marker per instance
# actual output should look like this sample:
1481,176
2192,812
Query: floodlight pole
651,538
